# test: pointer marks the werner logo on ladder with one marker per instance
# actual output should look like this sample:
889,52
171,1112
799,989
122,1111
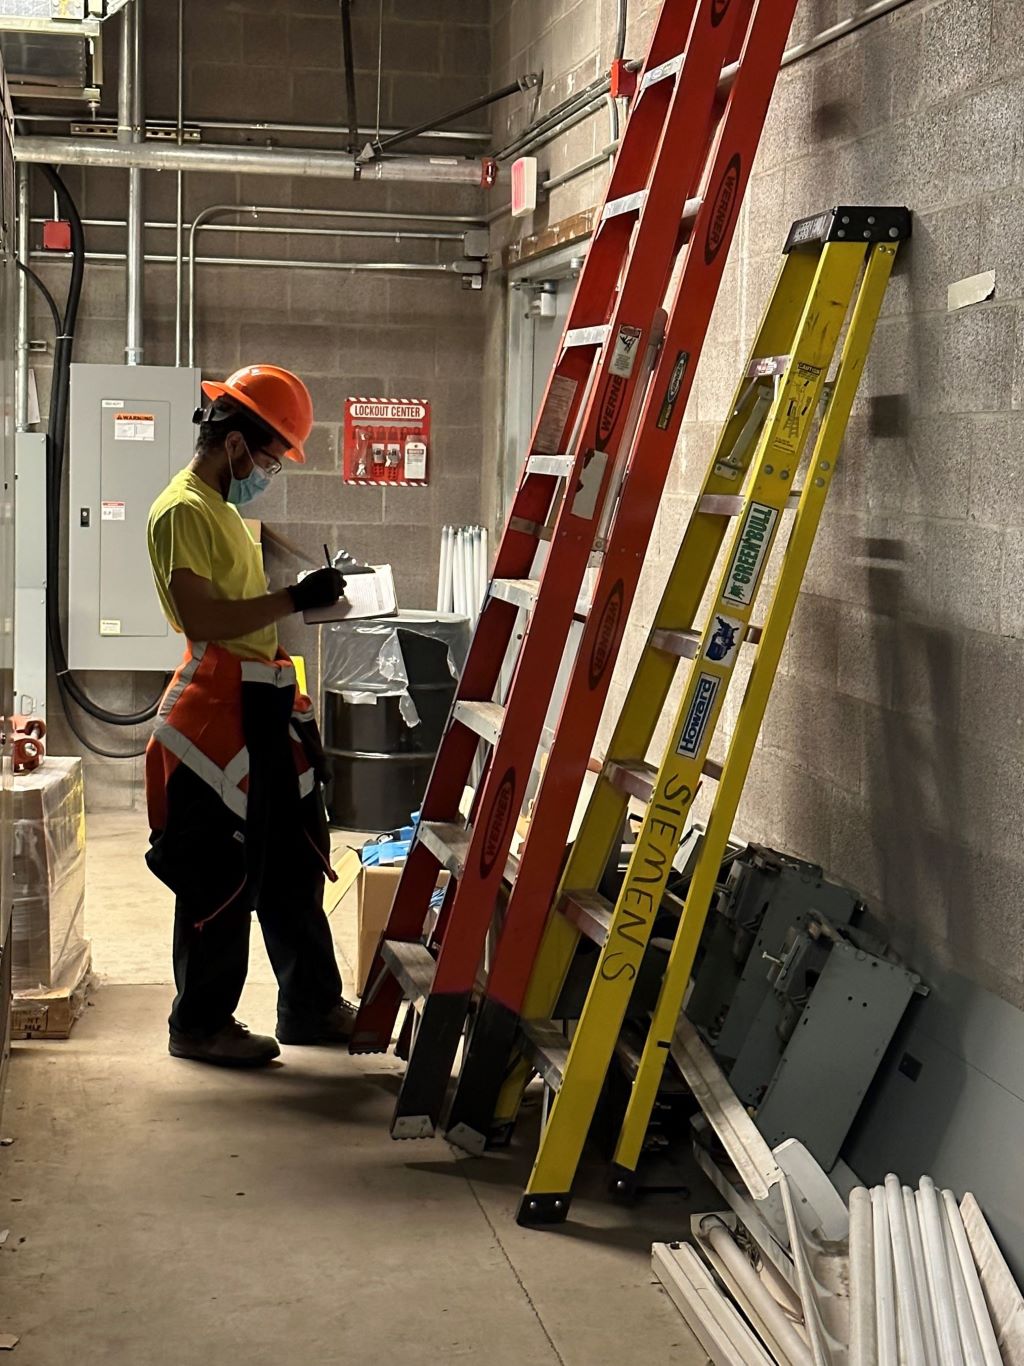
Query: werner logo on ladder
696,121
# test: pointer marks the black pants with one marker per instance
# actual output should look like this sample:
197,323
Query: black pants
210,963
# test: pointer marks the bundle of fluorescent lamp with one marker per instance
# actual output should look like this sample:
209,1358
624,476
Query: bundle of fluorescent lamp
463,571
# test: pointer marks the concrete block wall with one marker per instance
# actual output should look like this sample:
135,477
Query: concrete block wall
344,332
891,752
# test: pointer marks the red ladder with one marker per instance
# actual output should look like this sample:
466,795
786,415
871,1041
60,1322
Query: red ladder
698,274
574,470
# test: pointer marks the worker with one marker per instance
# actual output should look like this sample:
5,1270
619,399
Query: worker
235,766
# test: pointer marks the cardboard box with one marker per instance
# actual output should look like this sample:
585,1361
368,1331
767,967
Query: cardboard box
51,1014
376,891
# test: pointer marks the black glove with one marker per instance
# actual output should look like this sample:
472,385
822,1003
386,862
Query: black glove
322,588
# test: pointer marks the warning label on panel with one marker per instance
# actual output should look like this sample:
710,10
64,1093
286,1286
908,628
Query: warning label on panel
134,427
112,512
110,628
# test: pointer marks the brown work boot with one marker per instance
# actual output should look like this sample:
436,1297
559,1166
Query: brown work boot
333,1028
232,1046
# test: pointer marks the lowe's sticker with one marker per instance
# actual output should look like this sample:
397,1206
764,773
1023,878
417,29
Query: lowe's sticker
624,356
748,561
698,716
726,640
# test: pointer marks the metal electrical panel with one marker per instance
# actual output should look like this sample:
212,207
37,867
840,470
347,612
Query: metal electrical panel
131,430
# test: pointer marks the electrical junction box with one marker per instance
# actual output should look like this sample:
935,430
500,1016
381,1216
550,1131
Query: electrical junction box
130,431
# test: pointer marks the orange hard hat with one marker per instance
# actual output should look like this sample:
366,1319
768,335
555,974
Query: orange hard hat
276,396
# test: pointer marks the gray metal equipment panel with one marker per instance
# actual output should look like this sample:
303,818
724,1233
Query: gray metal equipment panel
131,430
835,1051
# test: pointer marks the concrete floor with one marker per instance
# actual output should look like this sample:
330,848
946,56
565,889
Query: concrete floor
161,1212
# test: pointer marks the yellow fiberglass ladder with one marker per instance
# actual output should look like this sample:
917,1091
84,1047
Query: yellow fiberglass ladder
834,274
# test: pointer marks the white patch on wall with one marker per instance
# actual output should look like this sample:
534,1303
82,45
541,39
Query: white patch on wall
975,289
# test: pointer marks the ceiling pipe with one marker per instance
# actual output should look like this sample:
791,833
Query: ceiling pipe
129,133
286,161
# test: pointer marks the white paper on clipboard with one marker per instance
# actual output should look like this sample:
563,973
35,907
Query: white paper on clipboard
366,595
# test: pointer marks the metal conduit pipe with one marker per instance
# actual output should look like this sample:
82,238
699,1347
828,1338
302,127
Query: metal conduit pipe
179,200
166,259
204,219
129,132
284,161
240,126
21,392
268,229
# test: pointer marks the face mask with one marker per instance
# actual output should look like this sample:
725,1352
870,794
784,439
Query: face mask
241,491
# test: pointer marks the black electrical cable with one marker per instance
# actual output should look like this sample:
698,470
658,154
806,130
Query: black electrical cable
71,690
51,302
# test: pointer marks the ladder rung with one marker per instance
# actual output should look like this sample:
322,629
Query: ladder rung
519,592
727,79
449,843
412,966
587,336
560,465
591,913
635,780
483,718
682,644
763,366
685,644
627,203
661,73
732,504
546,1049
638,780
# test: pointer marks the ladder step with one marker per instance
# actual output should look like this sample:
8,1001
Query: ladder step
685,644
587,336
682,644
633,779
763,366
483,718
591,913
449,843
546,1049
732,504
412,966
519,592
627,203
638,779
559,465
662,73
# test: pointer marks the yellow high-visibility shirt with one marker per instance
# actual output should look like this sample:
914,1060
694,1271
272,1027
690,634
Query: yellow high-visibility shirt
192,527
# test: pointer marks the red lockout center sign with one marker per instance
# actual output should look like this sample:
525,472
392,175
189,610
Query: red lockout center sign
386,441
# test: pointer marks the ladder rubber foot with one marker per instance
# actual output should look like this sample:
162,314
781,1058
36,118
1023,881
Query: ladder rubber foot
490,1044
412,1126
469,1140
367,1043
542,1209
500,1135
623,1185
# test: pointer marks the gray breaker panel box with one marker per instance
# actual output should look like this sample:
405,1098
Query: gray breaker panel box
131,430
